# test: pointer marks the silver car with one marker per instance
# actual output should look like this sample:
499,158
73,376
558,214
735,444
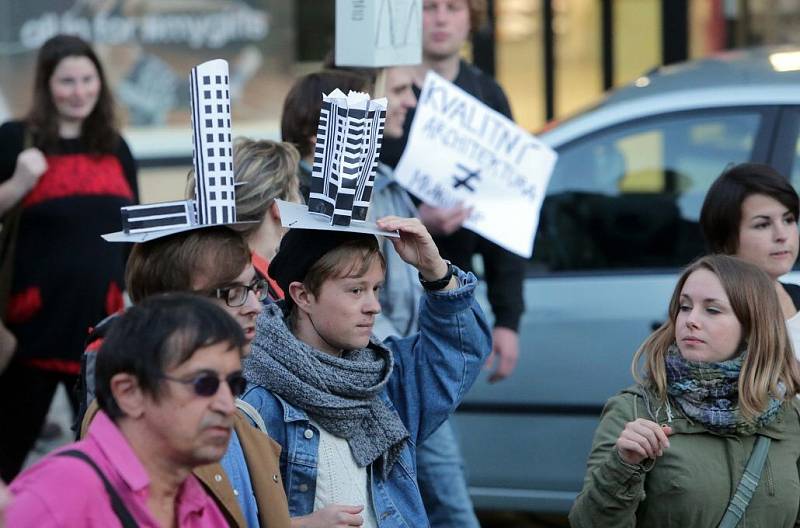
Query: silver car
619,221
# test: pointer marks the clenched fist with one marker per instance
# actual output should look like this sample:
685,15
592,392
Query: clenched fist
31,164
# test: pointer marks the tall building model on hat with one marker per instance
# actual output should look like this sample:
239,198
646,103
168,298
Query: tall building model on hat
215,194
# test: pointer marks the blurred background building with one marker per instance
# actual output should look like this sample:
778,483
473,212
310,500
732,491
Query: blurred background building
553,57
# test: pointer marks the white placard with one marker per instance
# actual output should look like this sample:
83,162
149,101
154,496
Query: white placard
461,151
378,33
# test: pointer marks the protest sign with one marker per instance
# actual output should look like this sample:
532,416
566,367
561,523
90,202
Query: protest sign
461,151
378,33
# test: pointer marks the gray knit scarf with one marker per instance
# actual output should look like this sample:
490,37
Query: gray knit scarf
341,394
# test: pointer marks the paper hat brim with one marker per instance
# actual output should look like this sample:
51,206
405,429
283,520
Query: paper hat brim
122,236
296,216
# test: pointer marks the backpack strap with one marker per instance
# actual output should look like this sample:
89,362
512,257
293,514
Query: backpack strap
253,414
748,483
122,513
84,390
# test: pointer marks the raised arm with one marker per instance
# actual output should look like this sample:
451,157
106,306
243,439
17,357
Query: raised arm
436,367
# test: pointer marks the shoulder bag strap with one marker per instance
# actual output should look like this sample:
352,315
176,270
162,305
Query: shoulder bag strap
117,505
747,485
253,414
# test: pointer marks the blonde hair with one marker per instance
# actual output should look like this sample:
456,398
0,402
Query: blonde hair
770,361
264,171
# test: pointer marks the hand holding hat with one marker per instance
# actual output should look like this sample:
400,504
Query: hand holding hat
415,246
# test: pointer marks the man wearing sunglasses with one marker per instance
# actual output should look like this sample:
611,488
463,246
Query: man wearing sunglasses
215,262
168,374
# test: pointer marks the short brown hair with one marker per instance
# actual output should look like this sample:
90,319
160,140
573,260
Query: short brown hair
350,259
721,215
302,105
770,368
216,255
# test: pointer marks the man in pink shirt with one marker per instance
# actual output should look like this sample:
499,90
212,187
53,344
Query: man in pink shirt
167,376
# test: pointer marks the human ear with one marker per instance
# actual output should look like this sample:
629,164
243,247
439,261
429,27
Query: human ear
300,295
274,213
128,394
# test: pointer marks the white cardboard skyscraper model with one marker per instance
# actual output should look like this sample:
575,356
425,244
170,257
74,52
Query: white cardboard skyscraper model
346,153
212,156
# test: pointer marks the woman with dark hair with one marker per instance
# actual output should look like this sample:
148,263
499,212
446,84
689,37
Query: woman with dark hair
65,172
711,430
751,212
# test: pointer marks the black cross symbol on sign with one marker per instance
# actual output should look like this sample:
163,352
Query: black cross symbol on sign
467,176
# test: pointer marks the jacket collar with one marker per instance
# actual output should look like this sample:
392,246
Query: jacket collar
669,413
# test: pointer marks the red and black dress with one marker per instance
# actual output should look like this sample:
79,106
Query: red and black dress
65,279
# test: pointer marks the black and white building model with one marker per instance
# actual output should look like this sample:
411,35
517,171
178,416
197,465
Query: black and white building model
345,161
346,154
215,197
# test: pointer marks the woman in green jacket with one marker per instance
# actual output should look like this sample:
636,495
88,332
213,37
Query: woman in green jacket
671,450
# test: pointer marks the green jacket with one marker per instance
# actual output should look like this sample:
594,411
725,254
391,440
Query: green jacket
691,484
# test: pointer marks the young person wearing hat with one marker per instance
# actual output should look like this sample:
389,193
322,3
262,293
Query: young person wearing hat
213,262
191,245
348,409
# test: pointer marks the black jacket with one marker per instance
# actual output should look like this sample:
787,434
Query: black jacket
503,269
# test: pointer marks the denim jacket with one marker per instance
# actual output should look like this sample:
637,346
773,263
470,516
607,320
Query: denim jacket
433,371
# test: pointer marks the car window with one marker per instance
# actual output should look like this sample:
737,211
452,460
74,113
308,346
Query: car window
630,196
794,175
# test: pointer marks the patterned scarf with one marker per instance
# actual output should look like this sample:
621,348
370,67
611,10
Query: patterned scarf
341,393
709,393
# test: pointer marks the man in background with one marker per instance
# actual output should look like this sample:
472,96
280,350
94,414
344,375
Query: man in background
447,24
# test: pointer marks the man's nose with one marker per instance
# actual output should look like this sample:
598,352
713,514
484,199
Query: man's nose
373,304
252,305
439,12
224,400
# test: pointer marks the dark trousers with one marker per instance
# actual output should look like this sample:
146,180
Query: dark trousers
25,397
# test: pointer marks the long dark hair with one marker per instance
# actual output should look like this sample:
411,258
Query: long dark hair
99,130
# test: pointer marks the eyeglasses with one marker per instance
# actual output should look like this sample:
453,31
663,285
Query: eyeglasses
236,295
207,384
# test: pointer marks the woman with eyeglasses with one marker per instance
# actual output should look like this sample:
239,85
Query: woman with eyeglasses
264,171
710,434
65,173
751,212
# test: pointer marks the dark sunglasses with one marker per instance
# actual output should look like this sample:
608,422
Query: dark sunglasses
207,384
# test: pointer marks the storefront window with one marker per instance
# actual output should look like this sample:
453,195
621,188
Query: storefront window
578,51
148,48
520,60
637,38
